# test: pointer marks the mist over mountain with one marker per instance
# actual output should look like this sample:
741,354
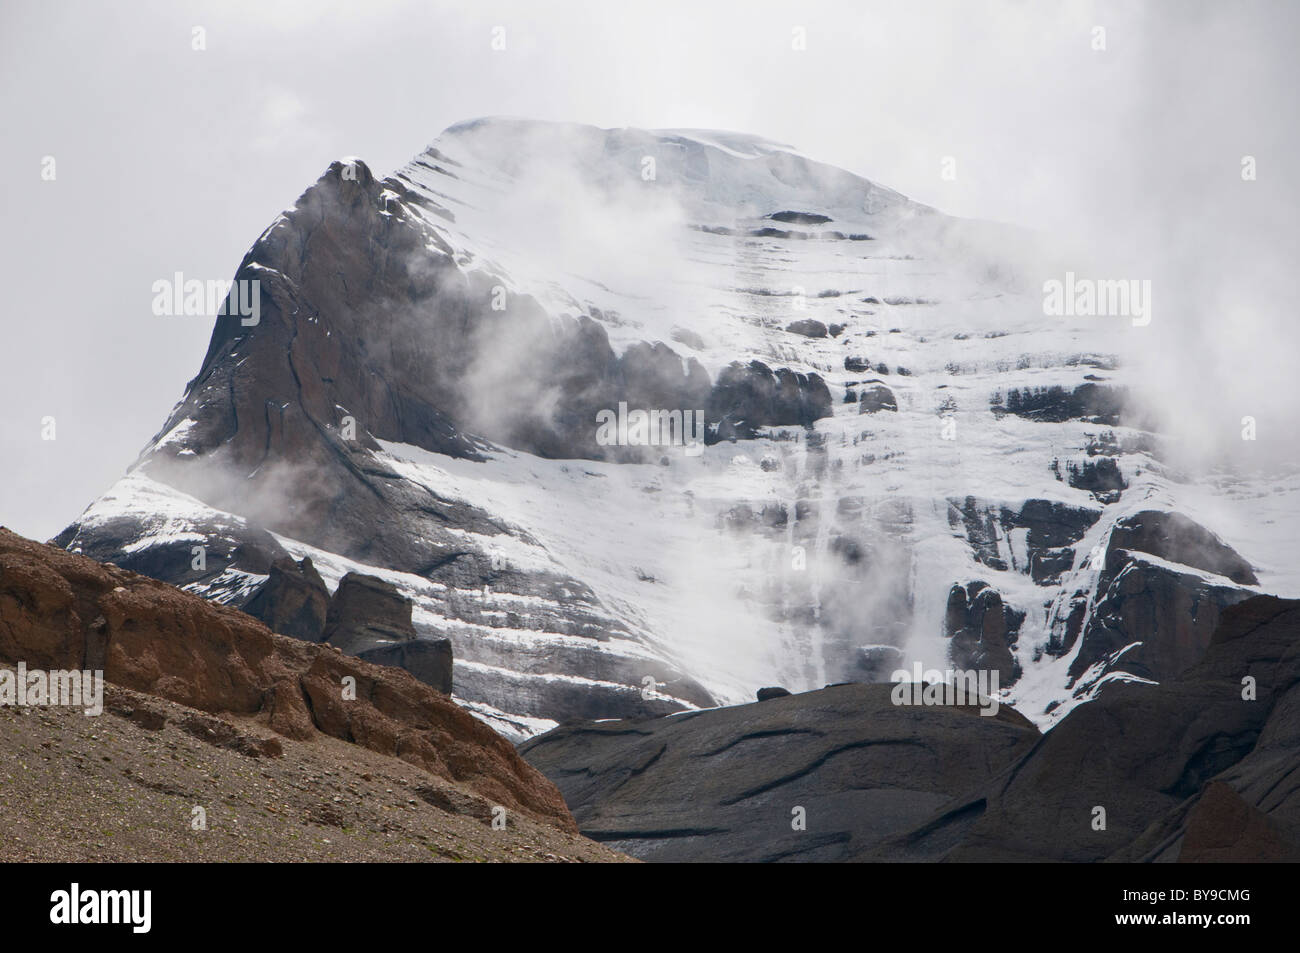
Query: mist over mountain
906,460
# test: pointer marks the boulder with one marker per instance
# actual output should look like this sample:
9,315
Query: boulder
875,397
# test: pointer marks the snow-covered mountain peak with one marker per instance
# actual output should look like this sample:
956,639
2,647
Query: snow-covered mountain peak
908,459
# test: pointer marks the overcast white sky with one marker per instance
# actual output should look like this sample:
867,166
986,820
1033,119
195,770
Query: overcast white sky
171,160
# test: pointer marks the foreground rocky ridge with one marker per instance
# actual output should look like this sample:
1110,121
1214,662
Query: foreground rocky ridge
123,788
1199,768
60,611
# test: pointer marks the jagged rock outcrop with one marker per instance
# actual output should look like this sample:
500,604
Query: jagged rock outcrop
282,425
749,396
60,611
293,600
1051,529
1171,611
1179,539
983,631
1171,614
367,613
366,617
729,784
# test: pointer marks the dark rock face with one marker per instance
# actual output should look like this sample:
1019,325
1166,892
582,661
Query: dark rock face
800,218
983,631
1172,613
1052,524
1051,530
1223,827
808,327
367,613
293,600
1197,768
725,785
367,617
776,691
227,542
748,396
1046,566
876,663
370,330
429,660
1098,403
1179,539
875,397
1100,476
1148,618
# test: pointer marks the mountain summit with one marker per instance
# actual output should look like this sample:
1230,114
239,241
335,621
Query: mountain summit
904,459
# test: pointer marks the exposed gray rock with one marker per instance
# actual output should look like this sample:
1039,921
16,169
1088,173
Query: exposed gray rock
983,631
365,613
429,660
725,784
293,600
1098,403
1179,539
748,396
875,397
808,327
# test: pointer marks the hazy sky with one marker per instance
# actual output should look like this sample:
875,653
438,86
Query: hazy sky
171,159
